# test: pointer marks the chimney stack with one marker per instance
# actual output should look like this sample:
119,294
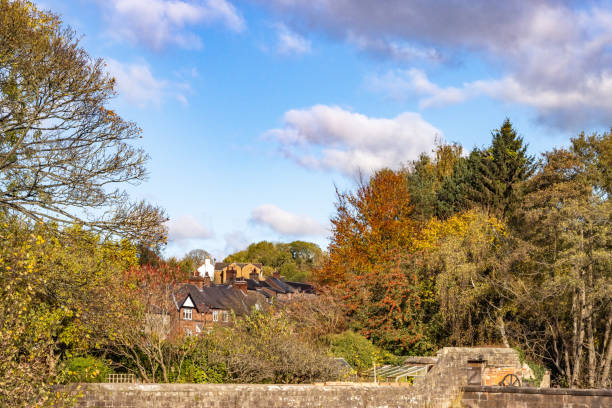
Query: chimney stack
200,281
240,285
231,275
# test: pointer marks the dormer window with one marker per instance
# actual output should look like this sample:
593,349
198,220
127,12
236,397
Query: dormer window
215,315
187,314
225,316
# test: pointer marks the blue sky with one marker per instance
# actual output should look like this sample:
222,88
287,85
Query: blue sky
253,110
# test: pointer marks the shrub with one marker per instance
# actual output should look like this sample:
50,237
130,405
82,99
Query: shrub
358,351
265,347
86,369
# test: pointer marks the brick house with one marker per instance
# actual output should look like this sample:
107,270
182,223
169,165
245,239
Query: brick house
201,302
199,308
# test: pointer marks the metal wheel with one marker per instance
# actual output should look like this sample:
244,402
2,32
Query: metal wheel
510,380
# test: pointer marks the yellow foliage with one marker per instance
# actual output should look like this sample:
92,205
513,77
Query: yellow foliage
458,226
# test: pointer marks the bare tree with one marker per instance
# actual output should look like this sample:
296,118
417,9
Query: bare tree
147,335
62,152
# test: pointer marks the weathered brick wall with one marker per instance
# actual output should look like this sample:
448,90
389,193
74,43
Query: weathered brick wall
241,395
523,397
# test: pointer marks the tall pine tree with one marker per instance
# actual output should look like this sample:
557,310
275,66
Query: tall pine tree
500,172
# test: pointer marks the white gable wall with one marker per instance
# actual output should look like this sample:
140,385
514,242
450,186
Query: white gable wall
188,302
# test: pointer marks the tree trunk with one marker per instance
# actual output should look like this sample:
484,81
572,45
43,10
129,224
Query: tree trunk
502,330
592,356
606,360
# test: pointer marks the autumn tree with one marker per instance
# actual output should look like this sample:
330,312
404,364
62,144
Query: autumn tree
385,293
370,227
469,256
66,222
566,300
146,340
63,153
56,300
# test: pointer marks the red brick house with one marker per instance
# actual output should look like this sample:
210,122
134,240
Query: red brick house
197,309
200,303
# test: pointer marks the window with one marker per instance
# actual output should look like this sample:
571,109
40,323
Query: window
215,315
225,316
198,328
188,332
257,306
187,314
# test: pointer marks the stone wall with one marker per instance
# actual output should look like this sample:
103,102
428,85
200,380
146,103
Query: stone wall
441,386
240,395
444,386
523,397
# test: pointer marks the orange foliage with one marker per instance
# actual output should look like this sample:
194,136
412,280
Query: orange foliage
371,265
371,227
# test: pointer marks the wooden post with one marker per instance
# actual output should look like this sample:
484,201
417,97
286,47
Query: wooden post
374,364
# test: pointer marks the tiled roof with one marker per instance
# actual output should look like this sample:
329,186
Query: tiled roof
302,287
278,285
253,284
197,297
223,297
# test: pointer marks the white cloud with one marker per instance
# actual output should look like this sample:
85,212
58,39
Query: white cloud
552,56
159,23
329,137
137,84
186,227
286,223
290,42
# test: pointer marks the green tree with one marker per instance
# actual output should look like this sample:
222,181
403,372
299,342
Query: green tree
358,351
295,260
428,177
454,193
500,172
63,154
